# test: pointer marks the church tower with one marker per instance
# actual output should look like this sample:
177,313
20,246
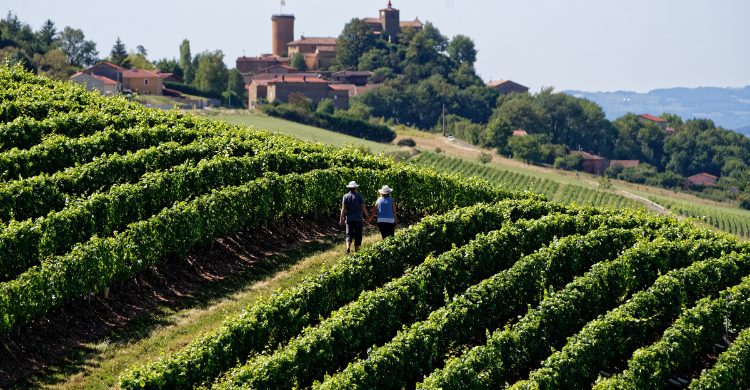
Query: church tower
389,19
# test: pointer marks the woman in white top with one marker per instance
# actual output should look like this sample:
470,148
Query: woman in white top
385,210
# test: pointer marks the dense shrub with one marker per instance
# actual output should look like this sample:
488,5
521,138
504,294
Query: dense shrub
406,142
349,126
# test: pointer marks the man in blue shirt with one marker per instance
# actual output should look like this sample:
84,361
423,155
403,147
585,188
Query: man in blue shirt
352,208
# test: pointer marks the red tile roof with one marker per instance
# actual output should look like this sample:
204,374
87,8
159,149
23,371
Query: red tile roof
519,133
371,20
625,163
354,90
703,174
345,73
328,41
105,63
415,23
106,80
652,118
139,73
589,156
297,79
278,66
266,58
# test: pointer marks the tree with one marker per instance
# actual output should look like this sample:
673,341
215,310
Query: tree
355,40
497,133
119,54
521,112
48,33
79,51
186,61
141,51
298,61
326,106
299,100
211,74
673,120
461,49
138,61
374,59
14,33
170,66
440,41
484,158
237,86
14,55
525,148
53,64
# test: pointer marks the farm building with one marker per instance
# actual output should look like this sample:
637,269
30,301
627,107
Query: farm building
506,86
650,118
594,164
703,178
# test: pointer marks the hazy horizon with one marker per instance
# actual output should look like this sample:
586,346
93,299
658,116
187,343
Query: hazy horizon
584,45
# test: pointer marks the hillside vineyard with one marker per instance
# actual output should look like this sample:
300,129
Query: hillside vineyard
492,289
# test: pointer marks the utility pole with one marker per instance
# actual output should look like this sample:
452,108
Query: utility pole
443,119
229,93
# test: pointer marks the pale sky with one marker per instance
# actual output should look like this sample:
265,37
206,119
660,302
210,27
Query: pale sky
588,45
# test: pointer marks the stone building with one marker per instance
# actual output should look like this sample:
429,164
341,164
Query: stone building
389,21
593,164
319,52
280,88
352,77
251,65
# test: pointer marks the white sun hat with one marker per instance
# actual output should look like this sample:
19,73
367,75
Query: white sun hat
352,184
385,190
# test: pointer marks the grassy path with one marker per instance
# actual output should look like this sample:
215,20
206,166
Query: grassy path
97,365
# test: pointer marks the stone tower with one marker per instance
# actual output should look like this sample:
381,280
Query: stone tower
389,19
283,32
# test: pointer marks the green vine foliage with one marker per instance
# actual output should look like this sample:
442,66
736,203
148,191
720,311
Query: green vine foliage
376,316
562,314
95,189
732,368
619,333
696,330
415,351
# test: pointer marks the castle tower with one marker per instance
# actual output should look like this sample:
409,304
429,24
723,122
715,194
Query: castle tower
283,32
389,19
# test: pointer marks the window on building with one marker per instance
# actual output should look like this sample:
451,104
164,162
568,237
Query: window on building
145,81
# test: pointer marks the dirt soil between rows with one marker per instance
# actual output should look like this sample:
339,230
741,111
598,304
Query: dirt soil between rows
47,341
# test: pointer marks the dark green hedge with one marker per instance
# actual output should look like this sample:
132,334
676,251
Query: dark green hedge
191,90
354,127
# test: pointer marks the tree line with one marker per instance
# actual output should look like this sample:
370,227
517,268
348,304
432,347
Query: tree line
426,71
58,54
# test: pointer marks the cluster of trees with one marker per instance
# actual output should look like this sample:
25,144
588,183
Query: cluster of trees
48,51
207,72
425,71
58,54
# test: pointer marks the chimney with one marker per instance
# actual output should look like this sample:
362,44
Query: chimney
304,79
132,68
282,77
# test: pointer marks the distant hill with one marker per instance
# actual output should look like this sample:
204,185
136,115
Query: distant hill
727,107
744,130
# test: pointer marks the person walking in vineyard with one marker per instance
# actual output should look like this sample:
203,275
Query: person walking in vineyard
385,210
352,208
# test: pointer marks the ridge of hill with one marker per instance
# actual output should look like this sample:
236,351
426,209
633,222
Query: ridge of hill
727,107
